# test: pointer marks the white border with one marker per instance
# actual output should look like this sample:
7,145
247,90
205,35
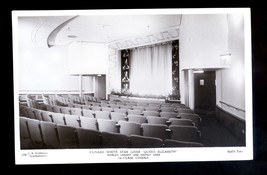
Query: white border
176,154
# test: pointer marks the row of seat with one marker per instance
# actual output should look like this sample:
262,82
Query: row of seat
147,117
120,125
138,111
43,134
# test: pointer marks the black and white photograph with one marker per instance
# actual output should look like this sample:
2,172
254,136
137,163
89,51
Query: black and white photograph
135,85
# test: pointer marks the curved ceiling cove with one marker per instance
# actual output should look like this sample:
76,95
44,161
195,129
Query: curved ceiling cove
52,37
35,31
48,31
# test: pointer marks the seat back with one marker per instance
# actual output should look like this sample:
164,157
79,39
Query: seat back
49,133
72,120
65,110
58,118
176,143
76,111
115,116
67,136
35,132
145,142
137,118
149,108
156,130
25,142
194,117
88,138
151,113
115,140
185,133
47,116
102,115
130,128
184,110
168,115
108,109
57,109
88,113
167,109
88,123
118,110
183,122
134,111
37,114
30,113
106,125
156,120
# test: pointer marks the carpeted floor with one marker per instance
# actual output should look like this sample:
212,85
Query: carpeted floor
213,134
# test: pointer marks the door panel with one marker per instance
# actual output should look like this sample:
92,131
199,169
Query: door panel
205,92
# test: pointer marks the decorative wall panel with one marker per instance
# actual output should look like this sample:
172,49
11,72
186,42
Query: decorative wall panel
125,70
175,70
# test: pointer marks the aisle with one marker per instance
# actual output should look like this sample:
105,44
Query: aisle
215,135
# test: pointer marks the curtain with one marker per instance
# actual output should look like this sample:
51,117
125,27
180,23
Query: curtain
151,70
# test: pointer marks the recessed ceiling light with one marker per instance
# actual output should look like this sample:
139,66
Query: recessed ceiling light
72,36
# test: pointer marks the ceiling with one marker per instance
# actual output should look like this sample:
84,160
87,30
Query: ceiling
47,31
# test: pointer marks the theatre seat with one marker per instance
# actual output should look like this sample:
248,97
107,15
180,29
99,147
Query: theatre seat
76,111
58,118
134,111
148,108
67,136
49,108
72,120
185,133
168,115
102,115
157,120
23,111
88,113
156,130
151,113
57,109
38,114
167,109
194,117
106,125
114,140
88,123
47,116
183,122
65,110
136,118
130,128
118,110
145,142
25,141
176,143
49,133
115,116
30,113
88,138
35,133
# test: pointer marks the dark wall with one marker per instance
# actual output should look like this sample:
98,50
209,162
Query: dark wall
235,125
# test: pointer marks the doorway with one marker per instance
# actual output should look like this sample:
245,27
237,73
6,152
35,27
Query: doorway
100,86
205,92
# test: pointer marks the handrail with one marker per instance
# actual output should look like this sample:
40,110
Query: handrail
236,108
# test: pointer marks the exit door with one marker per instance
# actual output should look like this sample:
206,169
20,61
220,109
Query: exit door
205,92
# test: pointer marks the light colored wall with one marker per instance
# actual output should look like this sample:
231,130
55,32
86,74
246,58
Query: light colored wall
203,39
45,69
231,81
88,58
